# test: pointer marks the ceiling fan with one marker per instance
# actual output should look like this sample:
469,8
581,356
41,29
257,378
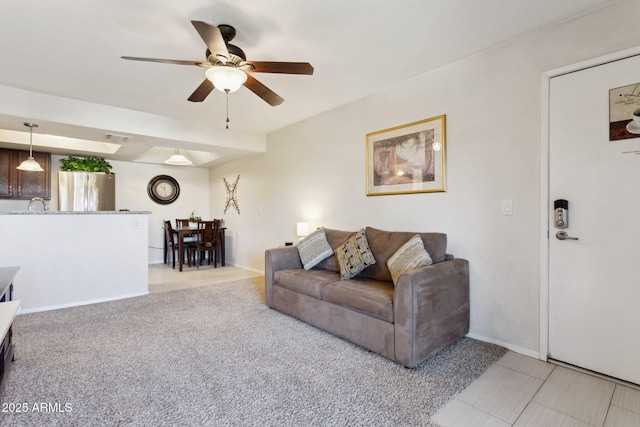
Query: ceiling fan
228,68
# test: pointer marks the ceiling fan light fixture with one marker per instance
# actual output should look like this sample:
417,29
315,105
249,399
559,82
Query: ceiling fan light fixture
30,164
225,78
178,159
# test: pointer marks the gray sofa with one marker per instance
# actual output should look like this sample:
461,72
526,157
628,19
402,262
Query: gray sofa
426,310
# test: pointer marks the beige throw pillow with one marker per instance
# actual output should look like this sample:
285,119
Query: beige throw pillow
409,256
314,248
354,255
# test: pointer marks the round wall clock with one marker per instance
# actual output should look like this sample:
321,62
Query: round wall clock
163,189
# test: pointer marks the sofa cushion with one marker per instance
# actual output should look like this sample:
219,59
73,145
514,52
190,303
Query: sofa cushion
354,255
409,256
314,248
335,239
383,244
370,297
305,282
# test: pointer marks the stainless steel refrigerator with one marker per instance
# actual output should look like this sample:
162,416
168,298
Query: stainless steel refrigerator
86,191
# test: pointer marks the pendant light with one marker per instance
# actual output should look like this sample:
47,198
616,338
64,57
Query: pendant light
178,159
30,164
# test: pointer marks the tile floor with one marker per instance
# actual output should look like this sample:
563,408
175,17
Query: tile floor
524,392
164,278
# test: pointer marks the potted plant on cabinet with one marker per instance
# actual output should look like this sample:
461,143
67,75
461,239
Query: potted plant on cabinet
86,184
85,164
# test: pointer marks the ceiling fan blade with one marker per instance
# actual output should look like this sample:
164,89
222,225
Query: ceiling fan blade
262,91
167,61
202,91
282,67
213,39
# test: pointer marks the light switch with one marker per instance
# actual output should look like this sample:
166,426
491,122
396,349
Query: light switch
507,207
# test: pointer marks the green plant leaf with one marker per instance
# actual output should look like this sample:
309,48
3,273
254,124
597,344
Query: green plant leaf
88,164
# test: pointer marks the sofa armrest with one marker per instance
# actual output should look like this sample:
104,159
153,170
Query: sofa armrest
286,258
431,309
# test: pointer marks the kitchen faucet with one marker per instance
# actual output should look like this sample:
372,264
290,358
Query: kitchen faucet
37,199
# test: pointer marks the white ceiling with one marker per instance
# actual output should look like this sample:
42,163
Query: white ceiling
60,64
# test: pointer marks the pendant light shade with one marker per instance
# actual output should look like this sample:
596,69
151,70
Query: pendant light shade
226,78
178,159
30,164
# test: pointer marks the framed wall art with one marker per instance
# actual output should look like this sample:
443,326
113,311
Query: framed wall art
407,159
624,112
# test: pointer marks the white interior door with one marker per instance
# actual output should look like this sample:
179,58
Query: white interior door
594,282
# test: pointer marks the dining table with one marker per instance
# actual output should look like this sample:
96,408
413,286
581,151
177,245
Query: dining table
181,232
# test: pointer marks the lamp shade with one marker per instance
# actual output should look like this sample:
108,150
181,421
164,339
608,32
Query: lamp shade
302,229
30,165
225,78
178,159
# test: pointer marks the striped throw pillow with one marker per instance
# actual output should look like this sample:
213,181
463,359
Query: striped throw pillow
409,256
314,248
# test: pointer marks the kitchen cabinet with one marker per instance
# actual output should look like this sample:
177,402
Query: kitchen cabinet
17,184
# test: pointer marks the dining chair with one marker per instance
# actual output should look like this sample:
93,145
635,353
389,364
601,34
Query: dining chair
189,238
207,242
170,243
182,222
173,245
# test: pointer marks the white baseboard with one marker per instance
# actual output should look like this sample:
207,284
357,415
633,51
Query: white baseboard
255,270
79,303
515,348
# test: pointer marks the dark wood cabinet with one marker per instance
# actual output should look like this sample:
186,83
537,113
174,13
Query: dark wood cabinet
17,184
6,174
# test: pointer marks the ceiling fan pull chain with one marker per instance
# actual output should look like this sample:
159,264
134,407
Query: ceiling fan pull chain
227,92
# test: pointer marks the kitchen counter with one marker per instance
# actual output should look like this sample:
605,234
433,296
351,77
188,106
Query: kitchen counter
41,212
75,258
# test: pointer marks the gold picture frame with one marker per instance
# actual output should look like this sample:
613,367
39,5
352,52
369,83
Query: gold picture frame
407,159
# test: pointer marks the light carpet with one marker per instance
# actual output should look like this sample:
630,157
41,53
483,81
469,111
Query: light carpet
216,356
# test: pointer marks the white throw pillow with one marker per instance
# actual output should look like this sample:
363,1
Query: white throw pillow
409,256
314,248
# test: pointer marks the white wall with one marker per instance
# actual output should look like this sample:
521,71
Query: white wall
315,171
131,193
75,259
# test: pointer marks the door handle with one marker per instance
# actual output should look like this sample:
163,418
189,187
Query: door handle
562,235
